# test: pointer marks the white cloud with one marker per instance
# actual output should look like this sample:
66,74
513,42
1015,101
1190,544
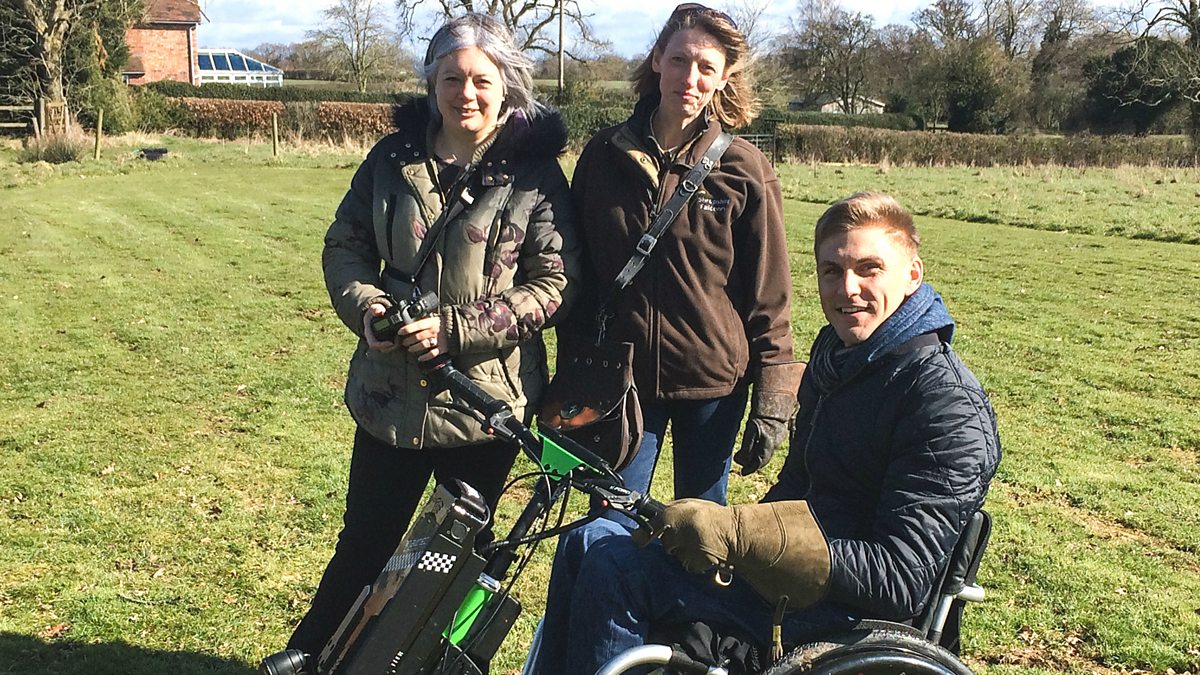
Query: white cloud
248,23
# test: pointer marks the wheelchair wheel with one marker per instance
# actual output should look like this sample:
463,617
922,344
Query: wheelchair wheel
870,652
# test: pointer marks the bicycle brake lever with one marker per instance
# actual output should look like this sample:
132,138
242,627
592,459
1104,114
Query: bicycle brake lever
620,499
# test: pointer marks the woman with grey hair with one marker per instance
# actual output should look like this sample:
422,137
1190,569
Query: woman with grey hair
467,200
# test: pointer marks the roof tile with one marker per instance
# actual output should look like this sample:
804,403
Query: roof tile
172,11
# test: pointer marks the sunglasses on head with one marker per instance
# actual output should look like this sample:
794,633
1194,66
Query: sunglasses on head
697,8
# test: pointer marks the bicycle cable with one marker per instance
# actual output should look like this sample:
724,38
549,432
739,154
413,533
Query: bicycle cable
562,495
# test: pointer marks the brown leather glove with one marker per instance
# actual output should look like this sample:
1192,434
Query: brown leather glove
772,407
777,547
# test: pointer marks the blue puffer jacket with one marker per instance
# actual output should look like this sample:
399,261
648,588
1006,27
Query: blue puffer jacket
893,461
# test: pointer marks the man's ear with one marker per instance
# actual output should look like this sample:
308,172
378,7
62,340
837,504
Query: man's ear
916,275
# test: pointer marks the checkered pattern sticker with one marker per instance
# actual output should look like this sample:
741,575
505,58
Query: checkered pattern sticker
409,556
437,562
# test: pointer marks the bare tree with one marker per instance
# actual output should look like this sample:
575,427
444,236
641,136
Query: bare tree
1013,24
748,14
1070,18
1071,37
18,82
1177,21
828,49
533,22
50,23
948,21
274,53
357,31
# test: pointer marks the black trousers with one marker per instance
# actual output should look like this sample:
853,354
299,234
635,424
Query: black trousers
386,487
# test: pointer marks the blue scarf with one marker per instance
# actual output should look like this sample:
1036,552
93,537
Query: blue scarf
832,363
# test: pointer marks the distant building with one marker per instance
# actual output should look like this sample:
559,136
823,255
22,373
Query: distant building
230,65
829,104
162,46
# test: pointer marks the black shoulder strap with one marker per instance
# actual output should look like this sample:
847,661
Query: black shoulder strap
663,219
462,199
686,190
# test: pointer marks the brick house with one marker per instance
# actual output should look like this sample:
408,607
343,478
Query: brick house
162,46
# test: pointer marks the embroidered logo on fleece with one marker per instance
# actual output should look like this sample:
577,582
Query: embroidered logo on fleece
705,201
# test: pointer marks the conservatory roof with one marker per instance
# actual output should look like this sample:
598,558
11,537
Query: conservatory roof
231,60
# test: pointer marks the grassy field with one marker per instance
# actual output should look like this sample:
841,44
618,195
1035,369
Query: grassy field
1162,204
175,449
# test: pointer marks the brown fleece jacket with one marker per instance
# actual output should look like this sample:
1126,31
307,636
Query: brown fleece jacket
712,305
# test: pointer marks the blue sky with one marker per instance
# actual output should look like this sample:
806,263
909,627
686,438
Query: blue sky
629,24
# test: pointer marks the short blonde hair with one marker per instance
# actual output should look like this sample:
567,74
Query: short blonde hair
863,209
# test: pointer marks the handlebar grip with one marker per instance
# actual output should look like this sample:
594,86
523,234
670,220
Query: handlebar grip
465,387
649,508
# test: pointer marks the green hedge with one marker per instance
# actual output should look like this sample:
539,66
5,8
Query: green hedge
242,92
115,99
586,93
226,118
586,112
857,144
130,109
772,116
584,120
334,119
231,118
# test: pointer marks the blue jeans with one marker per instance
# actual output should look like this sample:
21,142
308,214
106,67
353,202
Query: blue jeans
703,435
606,593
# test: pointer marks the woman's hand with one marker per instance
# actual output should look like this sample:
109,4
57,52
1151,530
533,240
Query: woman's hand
423,338
374,311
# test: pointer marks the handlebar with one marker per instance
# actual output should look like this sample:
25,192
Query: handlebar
640,507
584,470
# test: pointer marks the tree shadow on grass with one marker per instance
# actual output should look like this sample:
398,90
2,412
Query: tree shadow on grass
27,655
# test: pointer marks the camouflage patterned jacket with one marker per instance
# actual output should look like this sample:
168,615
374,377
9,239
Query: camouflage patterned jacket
501,269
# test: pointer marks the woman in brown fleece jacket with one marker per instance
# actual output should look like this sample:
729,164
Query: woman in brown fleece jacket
709,313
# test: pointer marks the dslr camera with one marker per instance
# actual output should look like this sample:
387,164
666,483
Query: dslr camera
402,313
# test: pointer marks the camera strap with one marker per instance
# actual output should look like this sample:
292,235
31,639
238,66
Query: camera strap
462,199
687,189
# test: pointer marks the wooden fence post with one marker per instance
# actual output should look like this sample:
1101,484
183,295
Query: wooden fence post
274,134
99,131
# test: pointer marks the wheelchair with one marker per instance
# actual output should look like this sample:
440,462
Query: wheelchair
443,606
927,646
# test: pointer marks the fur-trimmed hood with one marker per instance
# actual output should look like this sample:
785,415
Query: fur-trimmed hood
542,136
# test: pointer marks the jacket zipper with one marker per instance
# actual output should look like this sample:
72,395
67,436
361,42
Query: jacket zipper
821,402
422,207
812,427
491,254
390,206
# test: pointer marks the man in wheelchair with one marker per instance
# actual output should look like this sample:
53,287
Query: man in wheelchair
892,452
